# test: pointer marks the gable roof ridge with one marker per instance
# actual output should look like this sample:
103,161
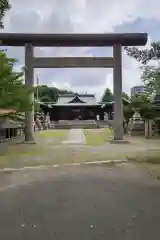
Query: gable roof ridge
77,98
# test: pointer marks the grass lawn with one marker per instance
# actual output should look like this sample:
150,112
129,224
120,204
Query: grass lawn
98,136
13,154
53,133
39,155
49,151
52,136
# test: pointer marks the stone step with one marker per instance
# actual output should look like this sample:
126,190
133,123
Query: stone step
87,126
66,124
76,122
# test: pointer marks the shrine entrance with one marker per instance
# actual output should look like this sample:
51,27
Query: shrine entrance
76,114
29,41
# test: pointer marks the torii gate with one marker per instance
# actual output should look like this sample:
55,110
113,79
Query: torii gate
75,40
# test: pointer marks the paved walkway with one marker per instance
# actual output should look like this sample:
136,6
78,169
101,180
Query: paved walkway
75,136
75,203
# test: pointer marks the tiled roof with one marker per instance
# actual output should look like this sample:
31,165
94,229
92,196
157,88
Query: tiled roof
76,104
81,98
5,111
76,94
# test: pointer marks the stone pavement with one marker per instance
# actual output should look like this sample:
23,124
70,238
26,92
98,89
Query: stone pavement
81,202
75,136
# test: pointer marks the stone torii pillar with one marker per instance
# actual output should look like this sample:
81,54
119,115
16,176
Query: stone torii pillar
117,90
29,82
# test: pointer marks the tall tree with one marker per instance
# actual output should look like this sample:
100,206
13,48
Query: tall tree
4,7
107,96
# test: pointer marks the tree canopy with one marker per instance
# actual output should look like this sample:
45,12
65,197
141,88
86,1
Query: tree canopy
145,55
125,96
13,93
150,73
107,96
48,94
141,103
4,7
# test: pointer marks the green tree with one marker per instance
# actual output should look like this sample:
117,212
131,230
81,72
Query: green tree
4,7
49,94
151,78
107,96
13,93
145,55
46,94
127,112
141,103
150,74
148,111
125,95
138,100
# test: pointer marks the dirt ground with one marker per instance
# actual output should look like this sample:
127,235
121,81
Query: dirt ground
46,152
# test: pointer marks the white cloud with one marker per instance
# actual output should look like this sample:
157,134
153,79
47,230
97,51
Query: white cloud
54,16
63,85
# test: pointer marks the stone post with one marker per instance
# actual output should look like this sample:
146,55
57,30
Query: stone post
148,128
117,83
29,82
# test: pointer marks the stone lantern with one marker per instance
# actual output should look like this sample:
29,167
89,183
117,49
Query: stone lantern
136,124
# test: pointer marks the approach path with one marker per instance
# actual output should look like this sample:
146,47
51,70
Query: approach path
75,136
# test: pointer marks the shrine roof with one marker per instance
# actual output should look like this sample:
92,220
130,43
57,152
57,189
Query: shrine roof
76,99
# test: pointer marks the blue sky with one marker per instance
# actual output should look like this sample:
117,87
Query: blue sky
85,16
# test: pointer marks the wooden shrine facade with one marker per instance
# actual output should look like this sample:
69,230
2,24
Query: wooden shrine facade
78,106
